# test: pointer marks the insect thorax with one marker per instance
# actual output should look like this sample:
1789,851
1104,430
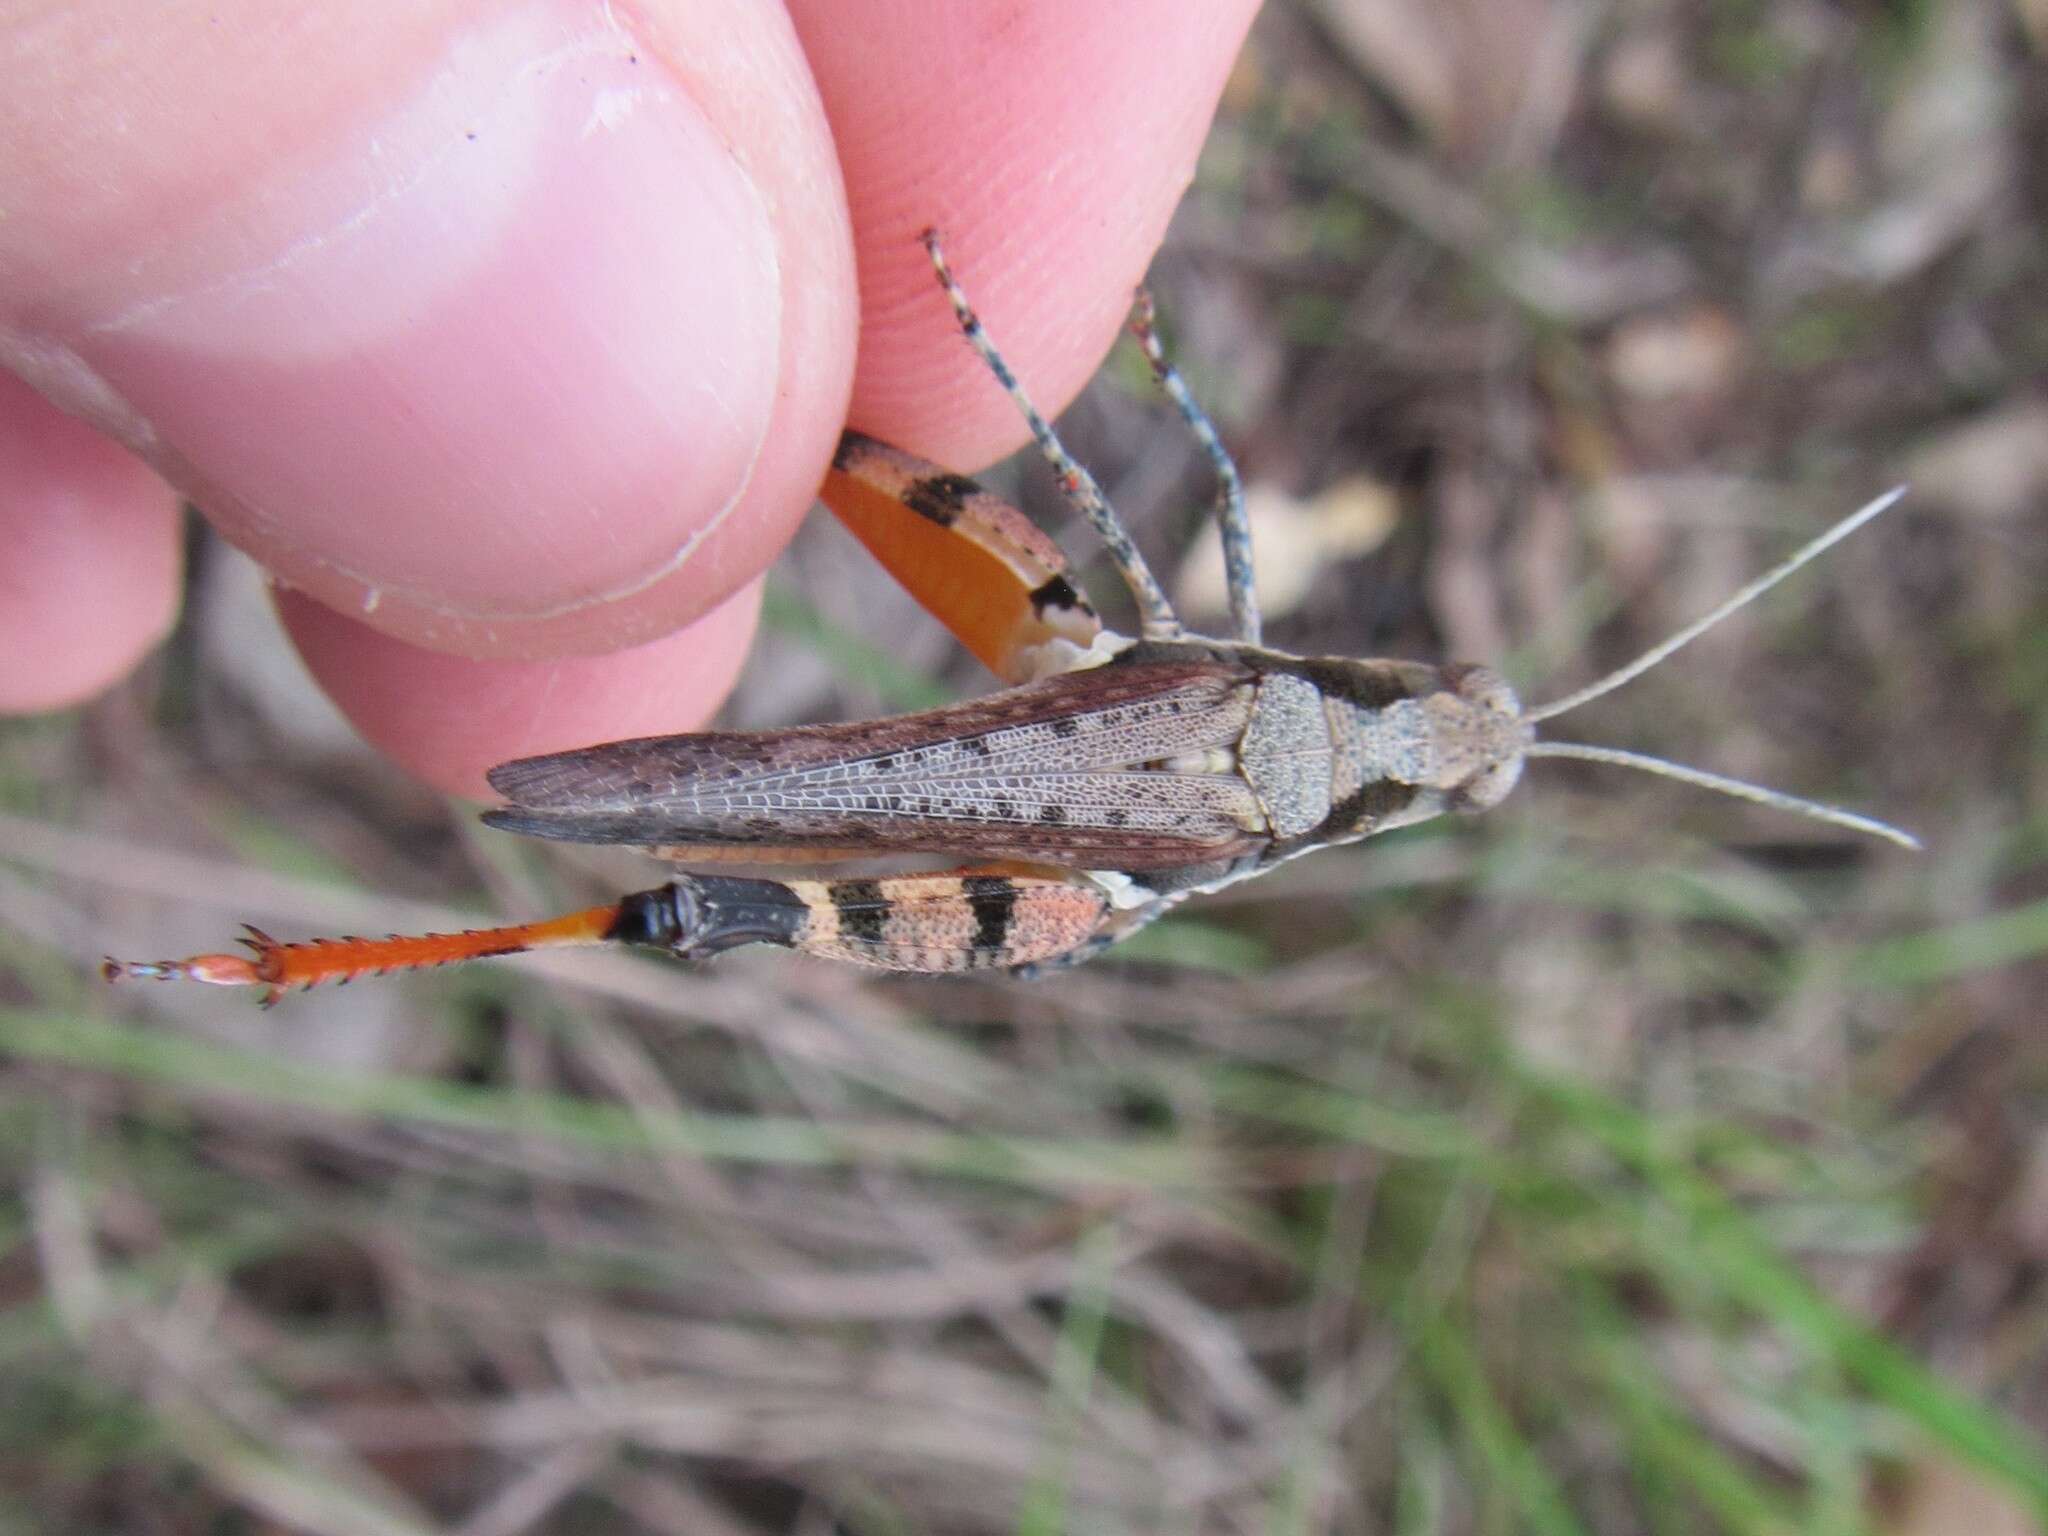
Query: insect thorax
1337,749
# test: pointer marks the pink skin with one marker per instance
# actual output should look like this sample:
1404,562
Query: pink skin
515,337
89,580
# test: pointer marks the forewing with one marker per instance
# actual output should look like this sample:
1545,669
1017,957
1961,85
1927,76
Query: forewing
1072,771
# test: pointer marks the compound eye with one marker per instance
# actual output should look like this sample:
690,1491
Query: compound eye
1486,688
1487,788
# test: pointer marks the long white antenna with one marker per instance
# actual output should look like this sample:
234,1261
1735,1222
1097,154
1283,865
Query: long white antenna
1741,789
1700,626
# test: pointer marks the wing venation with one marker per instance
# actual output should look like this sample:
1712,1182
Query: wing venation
1068,769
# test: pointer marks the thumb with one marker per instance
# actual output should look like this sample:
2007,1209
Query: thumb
427,307
509,331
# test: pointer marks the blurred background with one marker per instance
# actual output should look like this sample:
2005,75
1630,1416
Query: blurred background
1625,1160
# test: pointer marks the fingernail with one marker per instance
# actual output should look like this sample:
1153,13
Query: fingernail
506,354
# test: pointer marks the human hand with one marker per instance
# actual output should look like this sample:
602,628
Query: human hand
515,338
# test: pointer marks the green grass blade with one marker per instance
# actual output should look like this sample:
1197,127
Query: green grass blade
192,1065
1744,1265
1962,949
1444,1351
1045,1510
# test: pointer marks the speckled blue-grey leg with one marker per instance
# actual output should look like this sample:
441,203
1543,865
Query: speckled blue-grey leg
1155,613
1232,526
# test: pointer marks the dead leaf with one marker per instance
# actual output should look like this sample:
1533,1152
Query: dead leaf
1993,466
1685,355
1295,539
1943,1497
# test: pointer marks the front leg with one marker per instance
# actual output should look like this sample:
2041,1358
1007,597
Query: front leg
1155,613
1233,522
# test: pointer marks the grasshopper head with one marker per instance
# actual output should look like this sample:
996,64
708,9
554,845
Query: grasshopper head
1478,738
1419,740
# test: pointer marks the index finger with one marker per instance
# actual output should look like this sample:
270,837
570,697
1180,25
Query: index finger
1050,144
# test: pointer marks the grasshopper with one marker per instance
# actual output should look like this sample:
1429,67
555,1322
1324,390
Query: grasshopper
1113,778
